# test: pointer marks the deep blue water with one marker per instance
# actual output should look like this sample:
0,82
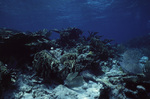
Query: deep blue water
115,19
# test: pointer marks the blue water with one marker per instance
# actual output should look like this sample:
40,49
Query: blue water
115,19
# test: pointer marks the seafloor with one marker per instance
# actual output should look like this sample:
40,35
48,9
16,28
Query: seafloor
73,66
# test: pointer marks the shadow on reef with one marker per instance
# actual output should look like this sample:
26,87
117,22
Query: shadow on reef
72,60
17,48
7,78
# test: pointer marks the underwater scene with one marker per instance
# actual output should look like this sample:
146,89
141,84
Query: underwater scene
74,49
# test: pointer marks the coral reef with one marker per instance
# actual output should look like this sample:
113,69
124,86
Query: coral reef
45,65
50,67
17,48
147,71
73,66
130,61
68,37
100,48
72,80
6,78
43,32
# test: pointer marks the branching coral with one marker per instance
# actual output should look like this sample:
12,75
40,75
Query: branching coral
69,36
102,49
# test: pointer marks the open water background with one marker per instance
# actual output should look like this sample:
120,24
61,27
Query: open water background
120,20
